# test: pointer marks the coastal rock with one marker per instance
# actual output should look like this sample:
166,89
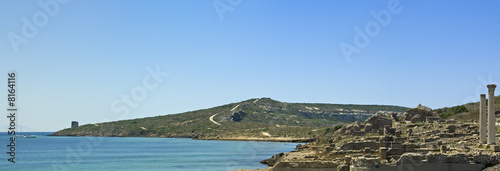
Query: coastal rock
273,160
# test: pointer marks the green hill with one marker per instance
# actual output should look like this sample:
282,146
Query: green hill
254,119
466,112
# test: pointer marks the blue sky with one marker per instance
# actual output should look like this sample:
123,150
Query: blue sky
90,53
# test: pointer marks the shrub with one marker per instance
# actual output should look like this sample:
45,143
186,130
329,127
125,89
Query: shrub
459,109
447,112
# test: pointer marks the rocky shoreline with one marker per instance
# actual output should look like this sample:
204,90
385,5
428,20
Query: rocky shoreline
417,140
240,138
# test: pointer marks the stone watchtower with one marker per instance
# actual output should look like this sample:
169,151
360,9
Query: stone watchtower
74,124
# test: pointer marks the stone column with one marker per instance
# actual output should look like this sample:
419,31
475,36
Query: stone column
482,119
491,113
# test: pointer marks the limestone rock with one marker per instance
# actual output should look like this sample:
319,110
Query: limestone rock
273,160
379,121
424,108
423,111
417,118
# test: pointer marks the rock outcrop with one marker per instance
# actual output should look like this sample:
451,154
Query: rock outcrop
378,121
418,114
383,142
238,116
273,160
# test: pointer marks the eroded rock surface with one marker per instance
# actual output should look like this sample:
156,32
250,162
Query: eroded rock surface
419,137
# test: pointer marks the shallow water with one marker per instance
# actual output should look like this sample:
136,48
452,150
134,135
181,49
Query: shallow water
114,153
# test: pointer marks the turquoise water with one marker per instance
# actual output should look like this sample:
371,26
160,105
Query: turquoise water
114,153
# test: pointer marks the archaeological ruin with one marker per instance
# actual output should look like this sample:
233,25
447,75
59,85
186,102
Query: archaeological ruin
417,140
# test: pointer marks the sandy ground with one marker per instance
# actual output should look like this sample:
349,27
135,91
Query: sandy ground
212,119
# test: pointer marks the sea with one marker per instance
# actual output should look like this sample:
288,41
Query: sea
134,153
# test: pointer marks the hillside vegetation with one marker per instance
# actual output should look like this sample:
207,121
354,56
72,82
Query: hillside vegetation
466,112
261,119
